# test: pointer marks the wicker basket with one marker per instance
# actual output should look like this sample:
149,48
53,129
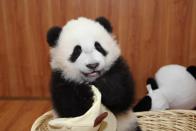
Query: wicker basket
168,120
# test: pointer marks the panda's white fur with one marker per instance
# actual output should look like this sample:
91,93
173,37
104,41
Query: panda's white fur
126,121
83,32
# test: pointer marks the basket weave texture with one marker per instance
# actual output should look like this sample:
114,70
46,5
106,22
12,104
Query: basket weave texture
168,120
41,123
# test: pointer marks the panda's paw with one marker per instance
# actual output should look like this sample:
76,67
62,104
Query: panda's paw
84,95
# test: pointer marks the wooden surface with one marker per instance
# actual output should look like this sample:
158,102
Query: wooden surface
19,115
151,33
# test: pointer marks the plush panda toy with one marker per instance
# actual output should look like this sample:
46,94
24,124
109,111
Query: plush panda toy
174,87
83,53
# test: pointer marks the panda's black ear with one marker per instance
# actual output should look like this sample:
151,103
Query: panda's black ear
53,35
192,71
105,23
153,83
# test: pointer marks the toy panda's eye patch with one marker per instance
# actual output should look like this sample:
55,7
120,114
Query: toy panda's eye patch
99,48
76,53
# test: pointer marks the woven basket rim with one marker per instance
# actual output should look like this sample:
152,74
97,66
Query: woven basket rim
166,111
162,120
167,120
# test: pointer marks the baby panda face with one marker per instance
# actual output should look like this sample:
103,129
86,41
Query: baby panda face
83,49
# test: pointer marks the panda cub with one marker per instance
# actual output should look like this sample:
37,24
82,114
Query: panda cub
83,53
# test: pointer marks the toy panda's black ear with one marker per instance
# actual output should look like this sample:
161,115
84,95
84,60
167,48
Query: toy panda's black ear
192,71
144,104
105,23
53,35
153,83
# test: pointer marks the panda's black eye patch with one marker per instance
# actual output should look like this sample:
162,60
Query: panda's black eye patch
100,48
76,53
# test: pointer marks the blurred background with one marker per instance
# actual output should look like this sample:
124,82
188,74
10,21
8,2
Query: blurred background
151,34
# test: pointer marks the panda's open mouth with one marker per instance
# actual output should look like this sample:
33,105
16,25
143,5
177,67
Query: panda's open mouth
92,74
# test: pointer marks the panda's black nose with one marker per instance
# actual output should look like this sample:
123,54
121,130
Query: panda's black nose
93,66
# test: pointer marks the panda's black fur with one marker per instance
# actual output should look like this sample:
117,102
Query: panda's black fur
71,98
116,87
78,97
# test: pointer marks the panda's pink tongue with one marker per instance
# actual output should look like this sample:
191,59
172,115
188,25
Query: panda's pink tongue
93,74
